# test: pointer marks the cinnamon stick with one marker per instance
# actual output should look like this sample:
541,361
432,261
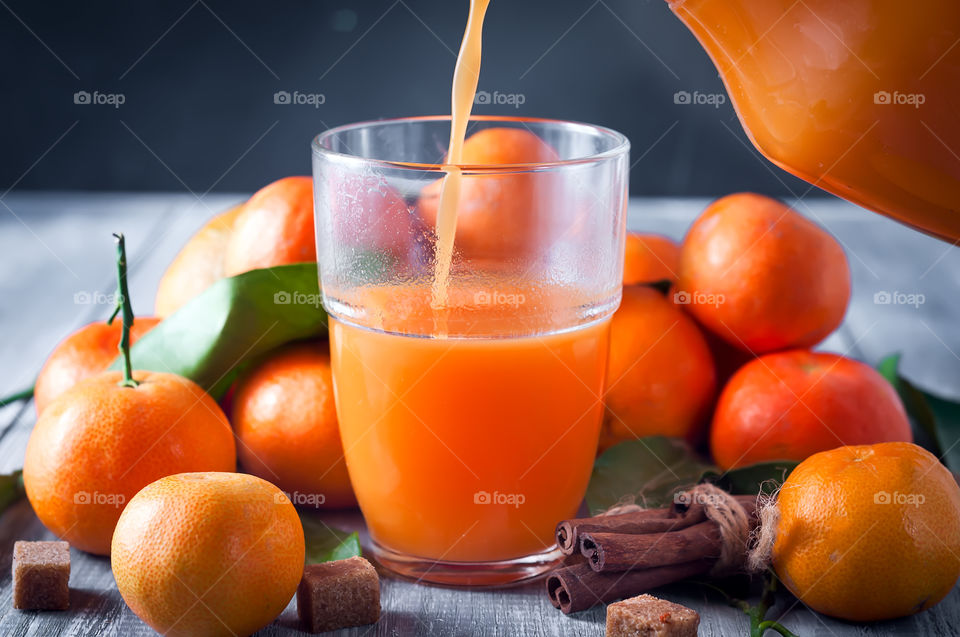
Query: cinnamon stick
645,521
609,552
621,551
577,588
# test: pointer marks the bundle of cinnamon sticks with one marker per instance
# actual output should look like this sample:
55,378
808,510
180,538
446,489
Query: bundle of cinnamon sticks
622,555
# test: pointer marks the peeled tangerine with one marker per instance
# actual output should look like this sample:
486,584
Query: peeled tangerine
869,532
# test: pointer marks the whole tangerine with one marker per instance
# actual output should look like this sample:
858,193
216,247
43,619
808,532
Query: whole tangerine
198,265
649,258
208,554
99,443
286,424
499,215
790,405
762,276
274,228
83,354
869,532
661,378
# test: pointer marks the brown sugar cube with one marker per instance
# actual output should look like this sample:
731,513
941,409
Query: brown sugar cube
648,616
41,571
338,594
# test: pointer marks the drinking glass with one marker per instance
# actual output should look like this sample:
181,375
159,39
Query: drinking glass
470,412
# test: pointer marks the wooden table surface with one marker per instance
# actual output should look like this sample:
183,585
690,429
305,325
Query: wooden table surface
58,268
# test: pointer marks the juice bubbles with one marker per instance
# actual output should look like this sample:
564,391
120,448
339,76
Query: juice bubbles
859,97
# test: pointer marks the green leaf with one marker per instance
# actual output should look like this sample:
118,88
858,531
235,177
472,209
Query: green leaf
762,477
946,415
326,543
232,322
648,470
913,399
936,419
11,489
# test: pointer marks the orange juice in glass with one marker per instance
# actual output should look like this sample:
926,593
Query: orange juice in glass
469,427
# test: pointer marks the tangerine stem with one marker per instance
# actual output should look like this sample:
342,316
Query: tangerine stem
25,394
758,622
125,309
777,626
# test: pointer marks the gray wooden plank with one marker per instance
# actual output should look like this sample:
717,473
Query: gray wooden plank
59,256
883,255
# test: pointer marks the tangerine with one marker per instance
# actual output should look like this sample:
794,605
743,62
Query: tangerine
869,532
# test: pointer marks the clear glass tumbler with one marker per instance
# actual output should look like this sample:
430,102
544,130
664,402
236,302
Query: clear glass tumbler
470,419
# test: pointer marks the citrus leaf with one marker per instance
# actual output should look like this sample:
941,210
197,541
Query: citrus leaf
936,419
326,543
762,477
647,470
913,399
11,489
234,321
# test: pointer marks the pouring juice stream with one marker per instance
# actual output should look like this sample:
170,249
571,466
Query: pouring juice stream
469,400
465,78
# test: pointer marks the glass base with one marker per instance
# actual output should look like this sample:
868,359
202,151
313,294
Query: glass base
502,573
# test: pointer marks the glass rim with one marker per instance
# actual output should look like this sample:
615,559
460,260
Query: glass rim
621,145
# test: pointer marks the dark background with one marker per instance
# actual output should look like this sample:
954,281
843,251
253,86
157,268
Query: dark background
198,80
